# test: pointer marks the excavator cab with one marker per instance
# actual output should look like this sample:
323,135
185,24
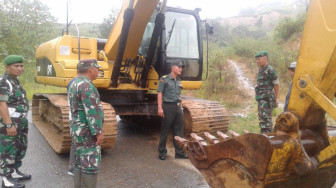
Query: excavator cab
179,41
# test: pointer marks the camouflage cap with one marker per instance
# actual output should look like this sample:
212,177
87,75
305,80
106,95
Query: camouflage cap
261,54
292,65
179,64
88,63
11,59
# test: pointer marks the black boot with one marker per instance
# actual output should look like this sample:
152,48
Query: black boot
20,176
8,181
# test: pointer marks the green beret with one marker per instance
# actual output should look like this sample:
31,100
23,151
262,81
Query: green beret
11,59
261,54
86,63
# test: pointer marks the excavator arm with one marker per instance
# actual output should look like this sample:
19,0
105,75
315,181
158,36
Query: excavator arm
301,151
143,10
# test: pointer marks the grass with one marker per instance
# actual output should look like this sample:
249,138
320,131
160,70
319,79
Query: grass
249,123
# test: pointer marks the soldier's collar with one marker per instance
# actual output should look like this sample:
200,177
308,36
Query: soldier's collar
84,77
171,77
9,76
263,68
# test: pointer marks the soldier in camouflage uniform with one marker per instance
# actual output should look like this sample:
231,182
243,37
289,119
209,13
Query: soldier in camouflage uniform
267,91
13,123
170,109
86,123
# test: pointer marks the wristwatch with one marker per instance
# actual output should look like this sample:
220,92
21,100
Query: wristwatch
8,125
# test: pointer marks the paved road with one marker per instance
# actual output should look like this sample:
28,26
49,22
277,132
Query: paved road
133,162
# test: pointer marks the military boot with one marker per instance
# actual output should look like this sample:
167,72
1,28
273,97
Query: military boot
20,176
89,181
9,182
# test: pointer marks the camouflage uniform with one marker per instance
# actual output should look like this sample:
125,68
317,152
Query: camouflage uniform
173,114
86,122
13,148
265,97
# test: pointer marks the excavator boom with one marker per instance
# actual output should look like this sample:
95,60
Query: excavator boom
143,10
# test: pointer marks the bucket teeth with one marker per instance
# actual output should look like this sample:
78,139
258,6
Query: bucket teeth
210,138
198,139
246,131
181,141
233,134
193,149
222,136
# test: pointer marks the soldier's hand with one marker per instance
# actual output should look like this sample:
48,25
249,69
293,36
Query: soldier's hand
100,139
11,131
160,112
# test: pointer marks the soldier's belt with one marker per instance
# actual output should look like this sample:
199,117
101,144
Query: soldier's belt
173,103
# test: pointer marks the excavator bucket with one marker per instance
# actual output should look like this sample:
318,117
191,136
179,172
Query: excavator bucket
301,151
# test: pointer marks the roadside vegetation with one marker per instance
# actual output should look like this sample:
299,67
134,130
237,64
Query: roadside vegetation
23,26
240,44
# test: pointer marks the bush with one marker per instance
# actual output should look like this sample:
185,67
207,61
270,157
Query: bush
289,27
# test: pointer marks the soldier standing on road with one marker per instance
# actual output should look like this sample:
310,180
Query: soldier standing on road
170,109
86,124
13,123
267,91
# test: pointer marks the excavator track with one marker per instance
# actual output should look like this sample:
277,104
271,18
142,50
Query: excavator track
204,116
50,114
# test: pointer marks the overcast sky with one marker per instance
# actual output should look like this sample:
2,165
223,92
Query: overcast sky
95,10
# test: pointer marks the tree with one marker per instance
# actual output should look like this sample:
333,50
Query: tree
23,25
288,27
106,26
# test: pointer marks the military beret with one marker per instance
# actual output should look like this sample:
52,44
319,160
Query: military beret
292,65
86,63
11,59
179,64
261,54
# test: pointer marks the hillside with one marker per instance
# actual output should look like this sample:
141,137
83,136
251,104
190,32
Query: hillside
266,16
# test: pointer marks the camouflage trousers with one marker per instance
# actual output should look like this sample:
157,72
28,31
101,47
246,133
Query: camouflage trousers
265,107
13,148
87,155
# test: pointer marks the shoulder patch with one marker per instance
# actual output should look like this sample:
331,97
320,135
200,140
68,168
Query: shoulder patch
8,82
162,79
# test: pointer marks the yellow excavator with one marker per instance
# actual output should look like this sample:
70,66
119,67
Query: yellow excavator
145,40
301,151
